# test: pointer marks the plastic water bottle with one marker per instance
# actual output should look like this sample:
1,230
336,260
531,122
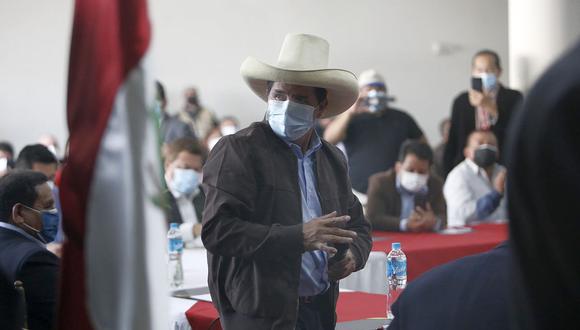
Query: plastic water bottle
175,249
396,275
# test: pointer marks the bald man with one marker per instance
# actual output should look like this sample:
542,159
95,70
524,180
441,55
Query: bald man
475,188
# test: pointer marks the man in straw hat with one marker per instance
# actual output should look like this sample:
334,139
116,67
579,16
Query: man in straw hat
281,224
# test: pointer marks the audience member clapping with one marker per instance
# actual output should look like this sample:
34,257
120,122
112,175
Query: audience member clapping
474,190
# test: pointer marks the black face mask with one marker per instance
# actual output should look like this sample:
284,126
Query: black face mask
485,155
192,100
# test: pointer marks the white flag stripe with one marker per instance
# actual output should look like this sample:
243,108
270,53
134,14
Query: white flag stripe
125,263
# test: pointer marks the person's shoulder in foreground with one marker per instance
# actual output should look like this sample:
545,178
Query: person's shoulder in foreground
544,224
469,293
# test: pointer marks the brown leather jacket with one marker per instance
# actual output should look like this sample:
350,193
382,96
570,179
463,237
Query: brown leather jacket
252,222
384,201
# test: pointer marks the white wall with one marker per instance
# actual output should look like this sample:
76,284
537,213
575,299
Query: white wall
539,32
204,43
34,45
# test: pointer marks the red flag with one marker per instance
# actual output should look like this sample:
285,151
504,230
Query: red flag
106,184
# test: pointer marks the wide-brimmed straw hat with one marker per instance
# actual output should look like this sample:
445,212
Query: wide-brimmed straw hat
303,60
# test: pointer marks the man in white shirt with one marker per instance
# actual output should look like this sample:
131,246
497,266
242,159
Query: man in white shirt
184,160
475,188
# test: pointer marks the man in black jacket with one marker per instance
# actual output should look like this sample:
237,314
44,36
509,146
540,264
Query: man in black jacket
488,109
24,197
281,224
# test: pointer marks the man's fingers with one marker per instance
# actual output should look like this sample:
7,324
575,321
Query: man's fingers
414,218
419,210
340,232
329,215
336,221
336,239
421,221
429,207
328,249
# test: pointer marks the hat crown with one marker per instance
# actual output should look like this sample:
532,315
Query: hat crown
369,77
303,52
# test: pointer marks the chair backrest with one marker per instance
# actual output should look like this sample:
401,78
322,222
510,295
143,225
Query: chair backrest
21,314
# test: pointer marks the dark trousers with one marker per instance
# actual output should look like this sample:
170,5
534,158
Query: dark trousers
315,313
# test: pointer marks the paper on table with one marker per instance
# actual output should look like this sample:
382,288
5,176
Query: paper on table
455,230
202,297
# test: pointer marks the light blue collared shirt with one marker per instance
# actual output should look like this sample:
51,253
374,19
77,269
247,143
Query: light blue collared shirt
408,205
21,232
314,271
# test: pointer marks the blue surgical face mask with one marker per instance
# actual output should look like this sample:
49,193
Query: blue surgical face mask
50,221
184,182
489,81
49,226
290,120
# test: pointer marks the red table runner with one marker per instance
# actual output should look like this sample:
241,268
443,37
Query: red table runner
351,306
427,250
424,251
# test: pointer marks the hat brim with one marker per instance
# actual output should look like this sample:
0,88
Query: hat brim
341,85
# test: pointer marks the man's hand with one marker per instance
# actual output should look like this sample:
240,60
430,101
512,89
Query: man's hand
358,107
484,100
321,231
499,182
427,216
196,230
475,97
414,222
422,219
343,268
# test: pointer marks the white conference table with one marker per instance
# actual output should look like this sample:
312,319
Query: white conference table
371,278
194,276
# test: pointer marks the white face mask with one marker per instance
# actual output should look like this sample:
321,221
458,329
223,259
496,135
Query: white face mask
413,182
228,130
3,164
212,142
290,120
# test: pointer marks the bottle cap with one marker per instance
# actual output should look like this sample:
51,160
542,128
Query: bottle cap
174,225
396,246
